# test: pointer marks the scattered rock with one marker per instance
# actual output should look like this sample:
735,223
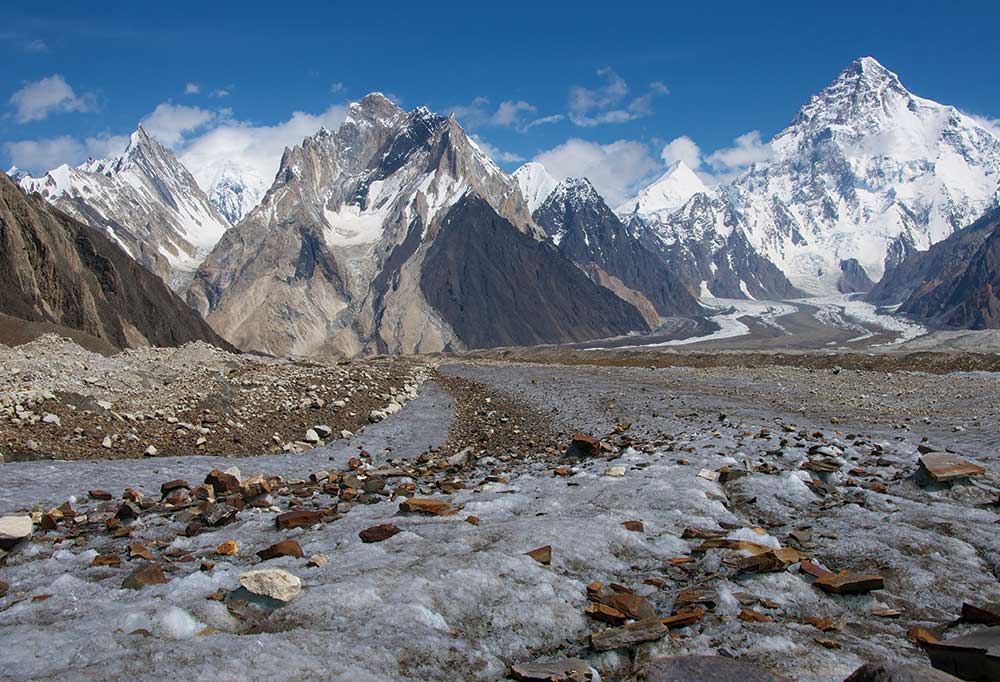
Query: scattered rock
14,529
582,445
984,614
425,506
283,548
849,583
634,526
898,672
297,519
318,561
146,574
554,670
638,632
222,482
975,656
271,582
378,533
542,555
228,548
943,468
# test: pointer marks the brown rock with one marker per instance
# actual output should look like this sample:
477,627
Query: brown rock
222,483
474,520
139,551
554,670
106,560
101,495
985,614
632,605
628,635
751,616
283,548
228,548
813,569
3,589
921,636
583,445
942,467
378,533
634,526
975,656
825,624
176,484
147,574
684,617
297,519
421,505
542,555
849,583
606,614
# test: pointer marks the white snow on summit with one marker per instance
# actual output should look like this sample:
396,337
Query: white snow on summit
666,194
535,182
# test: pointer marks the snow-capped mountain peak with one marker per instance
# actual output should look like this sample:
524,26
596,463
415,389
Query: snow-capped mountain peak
145,200
666,194
535,182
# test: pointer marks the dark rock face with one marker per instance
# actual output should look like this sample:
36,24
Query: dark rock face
696,252
955,283
497,286
853,278
57,270
586,231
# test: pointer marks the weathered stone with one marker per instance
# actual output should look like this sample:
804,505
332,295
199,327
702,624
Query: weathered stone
3,589
704,669
849,583
984,614
146,574
228,548
100,495
378,533
140,551
638,632
312,437
582,445
13,529
554,670
218,514
634,526
684,617
318,561
297,519
425,506
975,656
176,484
106,560
634,606
751,616
222,482
279,549
605,614
272,582
943,468
898,672
767,562
542,555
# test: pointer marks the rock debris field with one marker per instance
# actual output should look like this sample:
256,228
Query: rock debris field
480,520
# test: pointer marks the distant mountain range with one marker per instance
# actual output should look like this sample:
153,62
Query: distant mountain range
396,233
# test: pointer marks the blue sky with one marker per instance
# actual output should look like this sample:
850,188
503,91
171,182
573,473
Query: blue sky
81,75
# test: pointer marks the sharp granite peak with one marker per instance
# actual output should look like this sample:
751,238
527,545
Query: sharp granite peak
535,182
334,258
145,200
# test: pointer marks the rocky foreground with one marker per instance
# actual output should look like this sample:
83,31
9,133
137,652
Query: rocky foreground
504,520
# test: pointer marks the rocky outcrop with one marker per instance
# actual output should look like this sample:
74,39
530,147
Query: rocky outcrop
496,286
584,229
853,278
54,269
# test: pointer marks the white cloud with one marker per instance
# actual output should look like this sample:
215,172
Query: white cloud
615,169
480,114
992,125
336,87
496,154
747,150
609,103
545,120
192,89
682,149
221,92
40,156
170,123
251,148
35,101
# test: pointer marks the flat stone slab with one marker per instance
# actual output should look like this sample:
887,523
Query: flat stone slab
554,670
975,656
897,672
942,467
